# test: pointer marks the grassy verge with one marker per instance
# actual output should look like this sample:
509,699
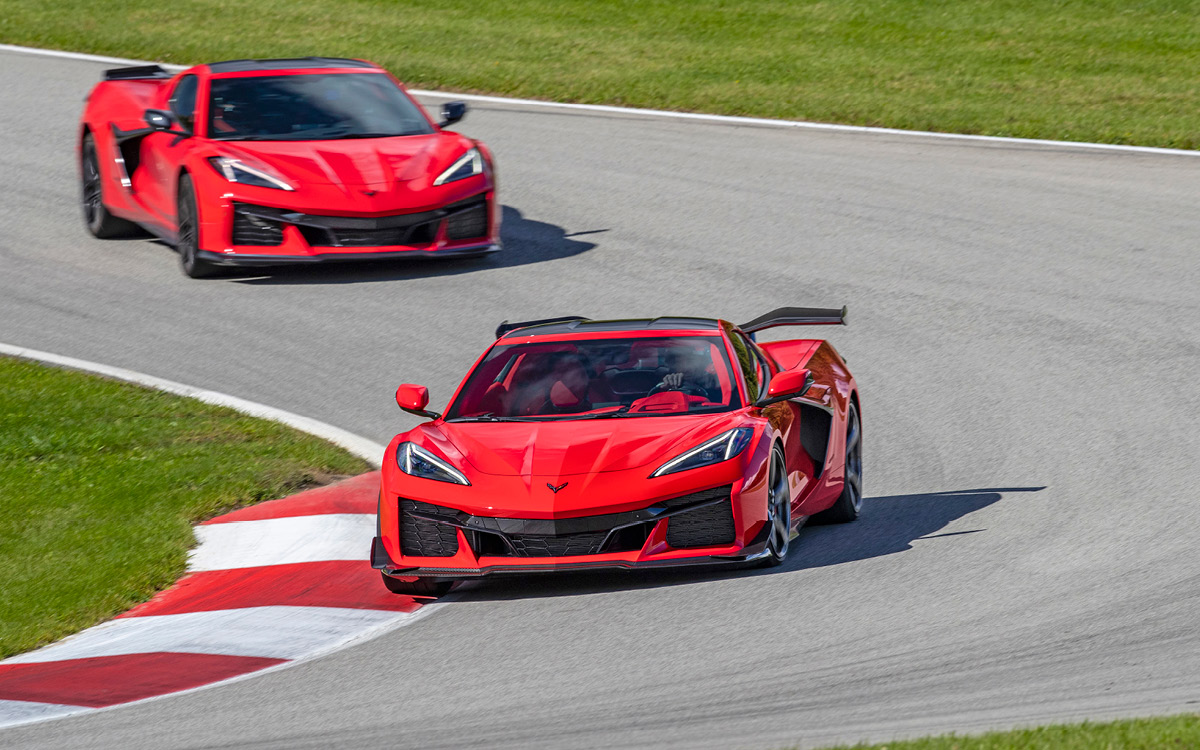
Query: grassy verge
1094,70
1169,733
100,483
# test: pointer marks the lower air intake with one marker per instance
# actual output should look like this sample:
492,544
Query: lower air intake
419,536
249,229
469,223
703,527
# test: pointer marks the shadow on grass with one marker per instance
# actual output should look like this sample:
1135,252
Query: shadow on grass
525,241
888,525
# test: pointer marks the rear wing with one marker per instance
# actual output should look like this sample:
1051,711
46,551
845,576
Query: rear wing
796,316
505,326
136,72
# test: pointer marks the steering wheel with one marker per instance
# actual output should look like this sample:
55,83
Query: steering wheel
687,389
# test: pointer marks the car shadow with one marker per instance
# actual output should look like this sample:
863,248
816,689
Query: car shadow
888,525
525,241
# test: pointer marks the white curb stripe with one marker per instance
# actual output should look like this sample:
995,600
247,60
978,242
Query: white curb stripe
726,119
280,541
272,632
359,446
21,712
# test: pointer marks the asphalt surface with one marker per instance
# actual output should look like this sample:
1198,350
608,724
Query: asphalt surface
1026,333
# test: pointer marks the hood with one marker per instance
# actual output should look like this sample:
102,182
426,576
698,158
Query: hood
372,163
573,447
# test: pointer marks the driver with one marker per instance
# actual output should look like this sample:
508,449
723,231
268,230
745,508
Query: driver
691,372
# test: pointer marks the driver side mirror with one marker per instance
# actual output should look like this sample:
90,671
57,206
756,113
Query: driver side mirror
163,121
413,399
452,112
787,384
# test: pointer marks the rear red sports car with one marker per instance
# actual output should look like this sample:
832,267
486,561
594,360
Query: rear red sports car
576,444
267,162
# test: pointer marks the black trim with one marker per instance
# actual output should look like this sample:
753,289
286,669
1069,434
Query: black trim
240,259
135,72
742,556
796,316
505,326
286,63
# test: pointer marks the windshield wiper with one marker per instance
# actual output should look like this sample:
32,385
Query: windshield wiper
488,418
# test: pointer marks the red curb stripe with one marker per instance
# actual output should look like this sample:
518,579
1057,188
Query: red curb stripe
350,584
358,494
108,680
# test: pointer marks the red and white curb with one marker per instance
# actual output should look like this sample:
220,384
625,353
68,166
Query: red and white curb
268,585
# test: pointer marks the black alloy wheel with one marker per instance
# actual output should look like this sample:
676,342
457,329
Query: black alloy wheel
189,233
96,217
425,587
849,503
779,511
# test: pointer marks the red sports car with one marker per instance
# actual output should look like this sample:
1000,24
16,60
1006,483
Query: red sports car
578,444
266,162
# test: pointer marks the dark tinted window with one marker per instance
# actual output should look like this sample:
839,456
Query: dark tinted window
751,367
317,106
644,376
183,99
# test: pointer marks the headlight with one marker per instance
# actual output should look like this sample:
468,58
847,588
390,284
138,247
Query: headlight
721,448
419,462
236,170
468,165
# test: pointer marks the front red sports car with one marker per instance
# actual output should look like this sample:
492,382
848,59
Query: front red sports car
624,444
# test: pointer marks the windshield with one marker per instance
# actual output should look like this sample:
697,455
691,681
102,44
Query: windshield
584,379
317,106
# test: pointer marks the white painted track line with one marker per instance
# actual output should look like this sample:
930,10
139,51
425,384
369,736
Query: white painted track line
22,712
281,541
724,119
274,632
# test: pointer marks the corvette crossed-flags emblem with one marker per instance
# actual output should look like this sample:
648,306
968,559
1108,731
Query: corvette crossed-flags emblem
556,489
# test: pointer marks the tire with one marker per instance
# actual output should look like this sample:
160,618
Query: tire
433,587
188,231
779,511
849,503
99,222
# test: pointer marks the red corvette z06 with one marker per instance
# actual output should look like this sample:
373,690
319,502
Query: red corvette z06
575,444
267,162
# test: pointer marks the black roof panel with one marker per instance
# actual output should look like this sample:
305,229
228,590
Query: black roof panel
608,326
238,66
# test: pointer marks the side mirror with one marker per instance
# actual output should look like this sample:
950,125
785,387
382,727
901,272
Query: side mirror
452,112
413,399
163,121
787,384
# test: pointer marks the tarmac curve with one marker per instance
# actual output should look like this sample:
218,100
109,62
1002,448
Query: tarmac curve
1025,329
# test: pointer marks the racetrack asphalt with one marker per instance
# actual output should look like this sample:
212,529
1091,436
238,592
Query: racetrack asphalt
1024,326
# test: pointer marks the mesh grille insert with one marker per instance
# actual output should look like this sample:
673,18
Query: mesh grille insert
419,536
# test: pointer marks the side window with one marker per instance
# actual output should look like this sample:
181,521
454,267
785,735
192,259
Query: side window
751,368
183,100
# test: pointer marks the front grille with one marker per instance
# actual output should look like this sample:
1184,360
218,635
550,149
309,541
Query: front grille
568,545
343,236
702,527
469,223
425,538
254,230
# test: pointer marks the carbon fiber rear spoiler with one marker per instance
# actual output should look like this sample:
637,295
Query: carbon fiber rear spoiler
505,327
135,72
797,316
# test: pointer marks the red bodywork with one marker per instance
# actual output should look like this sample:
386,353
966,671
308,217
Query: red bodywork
353,185
514,468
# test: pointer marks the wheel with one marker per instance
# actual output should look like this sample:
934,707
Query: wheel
434,587
779,511
96,217
189,234
849,503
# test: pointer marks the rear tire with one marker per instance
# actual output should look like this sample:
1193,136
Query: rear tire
849,503
433,587
99,222
188,232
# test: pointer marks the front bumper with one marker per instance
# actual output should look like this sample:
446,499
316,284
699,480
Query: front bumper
243,259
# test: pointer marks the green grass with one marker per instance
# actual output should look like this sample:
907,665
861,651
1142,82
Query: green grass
100,483
1115,71
1169,733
